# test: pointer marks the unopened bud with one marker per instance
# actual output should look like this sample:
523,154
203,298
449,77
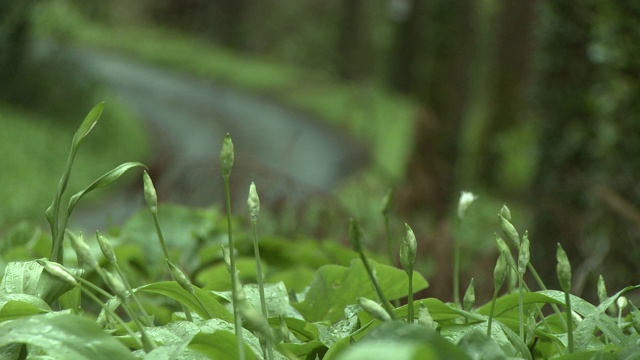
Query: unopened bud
116,285
226,156
106,248
505,212
499,272
469,298
386,202
563,269
408,250
180,278
57,271
355,236
622,302
523,254
150,195
373,308
424,317
86,260
253,202
510,230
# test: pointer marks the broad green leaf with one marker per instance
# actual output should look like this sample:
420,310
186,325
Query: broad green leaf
28,277
14,306
212,308
217,277
167,352
334,287
87,124
481,347
220,345
397,335
306,350
386,351
302,330
64,336
104,180
509,302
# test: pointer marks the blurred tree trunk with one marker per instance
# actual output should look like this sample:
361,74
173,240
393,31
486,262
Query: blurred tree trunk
410,39
14,36
507,85
586,189
354,60
443,77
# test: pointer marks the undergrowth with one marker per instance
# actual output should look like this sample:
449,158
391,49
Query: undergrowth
181,283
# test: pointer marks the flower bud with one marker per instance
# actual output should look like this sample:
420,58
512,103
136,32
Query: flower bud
106,248
253,202
622,302
150,195
58,271
466,198
510,230
505,212
180,278
355,236
563,269
226,156
386,202
86,259
503,248
469,298
373,308
424,317
523,254
499,272
116,285
408,250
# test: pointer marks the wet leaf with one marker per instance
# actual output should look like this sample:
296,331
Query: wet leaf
220,345
14,306
481,347
64,336
174,291
104,180
334,287
87,124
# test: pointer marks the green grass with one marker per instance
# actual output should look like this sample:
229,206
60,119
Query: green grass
33,148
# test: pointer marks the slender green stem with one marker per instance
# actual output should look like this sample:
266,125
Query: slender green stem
165,250
521,303
491,311
456,272
567,299
542,286
145,316
410,314
57,233
234,278
385,303
260,281
387,228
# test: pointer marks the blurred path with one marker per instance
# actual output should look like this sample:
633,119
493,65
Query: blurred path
289,155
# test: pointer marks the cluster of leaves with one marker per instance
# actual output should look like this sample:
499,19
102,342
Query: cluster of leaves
316,302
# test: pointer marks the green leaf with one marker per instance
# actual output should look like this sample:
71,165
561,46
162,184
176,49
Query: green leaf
217,276
306,350
220,345
302,330
481,347
87,124
64,336
510,303
167,352
212,308
334,287
104,180
14,306
27,277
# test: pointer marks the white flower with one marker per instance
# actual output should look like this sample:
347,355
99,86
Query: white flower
466,198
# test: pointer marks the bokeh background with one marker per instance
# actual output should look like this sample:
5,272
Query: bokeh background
531,103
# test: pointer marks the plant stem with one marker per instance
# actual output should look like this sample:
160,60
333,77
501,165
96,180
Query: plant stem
456,272
234,279
567,299
493,307
260,280
410,314
385,303
521,304
57,234
145,316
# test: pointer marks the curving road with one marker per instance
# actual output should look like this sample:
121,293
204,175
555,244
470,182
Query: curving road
289,155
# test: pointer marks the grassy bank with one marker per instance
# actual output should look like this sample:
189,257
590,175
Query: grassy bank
33,148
